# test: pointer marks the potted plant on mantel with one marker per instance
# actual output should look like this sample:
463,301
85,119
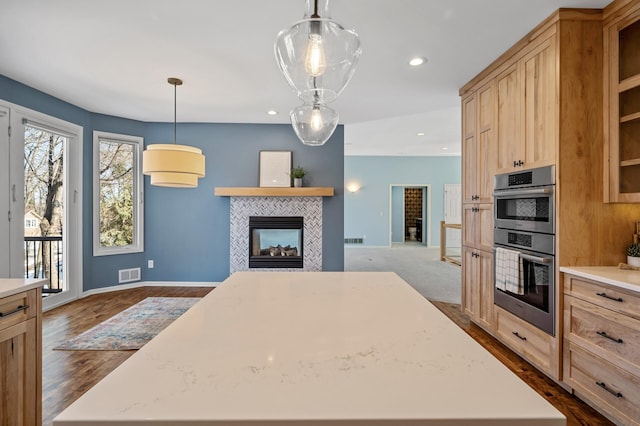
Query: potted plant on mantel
297,173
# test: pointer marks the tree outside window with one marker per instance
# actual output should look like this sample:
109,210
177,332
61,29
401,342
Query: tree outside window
118,188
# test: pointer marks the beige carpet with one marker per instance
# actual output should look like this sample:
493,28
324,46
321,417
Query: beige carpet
421,267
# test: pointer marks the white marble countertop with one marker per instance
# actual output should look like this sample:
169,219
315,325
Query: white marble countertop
311,348
11,286
623,278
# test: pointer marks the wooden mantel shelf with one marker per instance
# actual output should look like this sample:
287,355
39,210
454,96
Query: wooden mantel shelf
274,192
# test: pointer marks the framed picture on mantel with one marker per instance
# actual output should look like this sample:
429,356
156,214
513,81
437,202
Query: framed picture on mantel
275,169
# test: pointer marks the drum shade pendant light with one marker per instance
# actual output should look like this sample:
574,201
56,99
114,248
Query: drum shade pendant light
317,57
173,165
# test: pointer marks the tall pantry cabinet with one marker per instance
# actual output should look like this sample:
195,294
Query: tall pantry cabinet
536,105
477,212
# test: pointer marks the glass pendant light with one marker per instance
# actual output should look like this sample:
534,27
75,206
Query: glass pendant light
173,165
314,123
317,55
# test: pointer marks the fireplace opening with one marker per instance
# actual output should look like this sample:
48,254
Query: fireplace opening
275,242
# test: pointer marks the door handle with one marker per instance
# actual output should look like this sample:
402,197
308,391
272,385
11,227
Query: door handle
13,191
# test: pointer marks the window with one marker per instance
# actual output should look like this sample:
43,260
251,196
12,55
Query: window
30,223
117,194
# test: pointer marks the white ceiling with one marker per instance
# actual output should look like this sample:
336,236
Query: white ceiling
114,57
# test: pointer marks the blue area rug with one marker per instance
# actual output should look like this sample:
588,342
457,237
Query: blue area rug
132,328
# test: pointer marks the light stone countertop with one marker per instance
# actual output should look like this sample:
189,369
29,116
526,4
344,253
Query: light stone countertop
312,348
623,278
11,286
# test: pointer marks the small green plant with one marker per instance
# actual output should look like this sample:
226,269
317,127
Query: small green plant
298,172
633,250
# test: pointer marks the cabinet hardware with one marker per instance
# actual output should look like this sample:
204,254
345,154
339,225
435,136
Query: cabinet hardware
520,163
605,335
515,333
15,311
612,392
515,164
615,299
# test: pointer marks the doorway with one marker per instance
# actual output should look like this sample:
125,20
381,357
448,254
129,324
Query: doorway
43,234
409,213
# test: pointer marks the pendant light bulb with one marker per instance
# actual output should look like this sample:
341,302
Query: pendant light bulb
316,119
315,62
314,124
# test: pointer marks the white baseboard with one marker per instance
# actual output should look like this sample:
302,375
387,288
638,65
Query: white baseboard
149,284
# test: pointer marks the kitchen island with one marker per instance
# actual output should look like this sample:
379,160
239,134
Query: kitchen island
312,348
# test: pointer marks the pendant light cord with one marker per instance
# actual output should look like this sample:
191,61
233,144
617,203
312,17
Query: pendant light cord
315,9
175,107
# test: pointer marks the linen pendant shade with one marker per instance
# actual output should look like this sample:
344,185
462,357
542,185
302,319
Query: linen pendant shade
173,165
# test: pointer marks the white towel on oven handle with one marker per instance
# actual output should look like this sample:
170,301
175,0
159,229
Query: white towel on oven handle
509,271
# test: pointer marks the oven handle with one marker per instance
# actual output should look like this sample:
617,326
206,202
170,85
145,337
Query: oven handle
537,259
531,191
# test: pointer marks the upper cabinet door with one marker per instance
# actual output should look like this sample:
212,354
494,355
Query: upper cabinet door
486,147
469,150
508,127
540,105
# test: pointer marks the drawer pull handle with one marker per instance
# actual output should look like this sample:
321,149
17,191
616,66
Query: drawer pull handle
515,333
605,335
15,311
615,299
604,386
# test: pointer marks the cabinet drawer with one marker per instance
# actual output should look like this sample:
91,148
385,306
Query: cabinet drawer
608,387
610,335
17,308
527,340
610,297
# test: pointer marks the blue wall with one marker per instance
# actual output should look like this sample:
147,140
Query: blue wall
187,230
366,212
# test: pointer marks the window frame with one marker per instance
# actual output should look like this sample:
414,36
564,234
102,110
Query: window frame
138,194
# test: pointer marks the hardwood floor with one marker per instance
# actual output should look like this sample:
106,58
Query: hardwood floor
69,374
576,411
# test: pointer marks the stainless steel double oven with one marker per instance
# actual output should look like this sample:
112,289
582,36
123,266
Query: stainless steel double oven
524,222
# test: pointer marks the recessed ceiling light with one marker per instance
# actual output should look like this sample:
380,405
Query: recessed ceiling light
420,134
272,112
445,148
417,61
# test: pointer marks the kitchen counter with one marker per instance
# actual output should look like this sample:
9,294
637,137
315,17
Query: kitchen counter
311,348
11,286
623,278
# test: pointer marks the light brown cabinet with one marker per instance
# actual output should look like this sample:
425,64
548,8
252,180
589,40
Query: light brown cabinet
478,146
526,110
602,347
477,278
530,342
540,104
477,226
622,96
20,359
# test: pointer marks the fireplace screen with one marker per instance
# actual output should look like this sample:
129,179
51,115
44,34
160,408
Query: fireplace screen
275,242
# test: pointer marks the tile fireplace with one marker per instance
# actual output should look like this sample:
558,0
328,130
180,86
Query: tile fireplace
309,212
